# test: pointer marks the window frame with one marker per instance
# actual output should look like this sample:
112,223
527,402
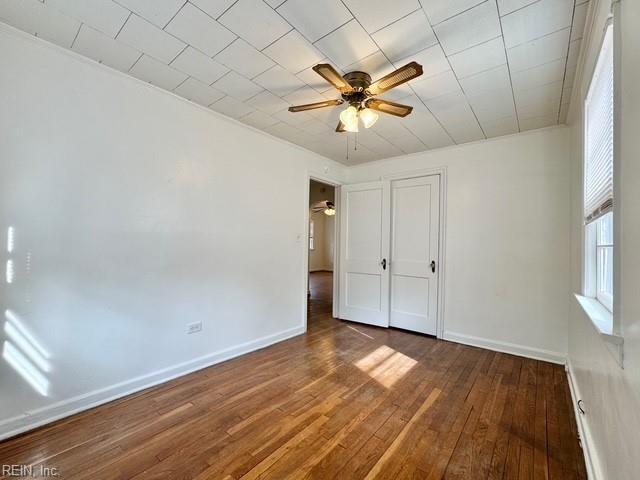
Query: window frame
592,248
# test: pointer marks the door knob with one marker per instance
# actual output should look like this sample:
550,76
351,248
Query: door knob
384,263
433,266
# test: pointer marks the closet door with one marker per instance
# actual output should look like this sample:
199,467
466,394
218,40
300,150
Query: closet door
415,221
364,253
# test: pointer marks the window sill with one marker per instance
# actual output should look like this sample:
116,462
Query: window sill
602,321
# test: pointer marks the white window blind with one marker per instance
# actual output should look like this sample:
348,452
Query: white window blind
598,178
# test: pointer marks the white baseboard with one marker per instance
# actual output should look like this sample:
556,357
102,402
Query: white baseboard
594,472
505,347
36,418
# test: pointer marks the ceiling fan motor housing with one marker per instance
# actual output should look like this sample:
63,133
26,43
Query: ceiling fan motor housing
360,81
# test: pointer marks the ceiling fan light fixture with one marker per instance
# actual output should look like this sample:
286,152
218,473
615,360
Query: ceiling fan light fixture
330,212
368,117
349,117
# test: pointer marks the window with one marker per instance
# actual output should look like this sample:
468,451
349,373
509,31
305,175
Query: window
312,245
598,178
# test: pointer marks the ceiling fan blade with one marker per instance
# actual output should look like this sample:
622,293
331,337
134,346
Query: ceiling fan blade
392,108
340,128
312,106
330,74
398,77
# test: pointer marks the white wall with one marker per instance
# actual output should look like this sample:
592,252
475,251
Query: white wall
136,213
611,395
507,239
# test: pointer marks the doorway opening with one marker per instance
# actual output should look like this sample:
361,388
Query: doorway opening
321,249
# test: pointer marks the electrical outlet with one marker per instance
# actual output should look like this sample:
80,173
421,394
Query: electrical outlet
194,327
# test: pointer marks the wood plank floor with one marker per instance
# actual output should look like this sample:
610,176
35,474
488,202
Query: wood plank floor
344,401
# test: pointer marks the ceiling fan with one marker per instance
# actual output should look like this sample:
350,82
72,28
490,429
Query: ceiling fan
357,90
325,206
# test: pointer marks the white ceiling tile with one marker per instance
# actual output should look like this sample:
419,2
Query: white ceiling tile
374,15
103,15
258,119
231,107
538,101
315,19
479,58
237,86
465,131
494,79
198,92
425,126
436,85
213,8
316,127
200,30
492,105
508,6
389,126
538,122
296,118
470,28
347,44
432,59
303,96
451,108
294,52
541,75
267,102
539,51
155,72
275,3
198,65
158,12
398,94
375,65
36,18
149,39
244,59
405,37
98,46
279,81
440,10
536,20
499,127
315,81
330,115
408,143
255,21
579,17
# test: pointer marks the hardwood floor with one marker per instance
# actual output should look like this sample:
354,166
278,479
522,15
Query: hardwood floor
344,401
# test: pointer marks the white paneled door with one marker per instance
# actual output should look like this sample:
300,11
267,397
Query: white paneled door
364,253
415,221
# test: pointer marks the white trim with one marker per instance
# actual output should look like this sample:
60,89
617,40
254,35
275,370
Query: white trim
592,463
41,416
506,347
336,184
425,172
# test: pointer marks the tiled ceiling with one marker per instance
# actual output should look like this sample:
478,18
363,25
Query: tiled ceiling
491,67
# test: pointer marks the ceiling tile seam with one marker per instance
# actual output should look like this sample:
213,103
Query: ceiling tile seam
225,11
520,8
76,37
176,14
457,14
460,86
125,22
174,58
408,84
180,84
399,19
566,62
543,36
134,63
513,94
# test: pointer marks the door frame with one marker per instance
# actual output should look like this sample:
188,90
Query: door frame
336,184
442,171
